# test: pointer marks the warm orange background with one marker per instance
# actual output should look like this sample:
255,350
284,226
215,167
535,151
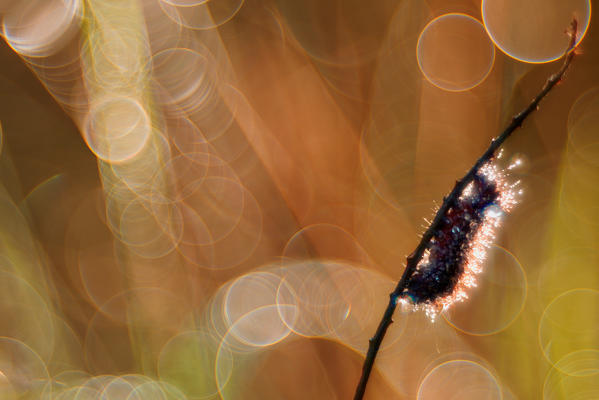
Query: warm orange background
281,157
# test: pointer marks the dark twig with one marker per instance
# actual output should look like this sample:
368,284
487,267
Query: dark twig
414,258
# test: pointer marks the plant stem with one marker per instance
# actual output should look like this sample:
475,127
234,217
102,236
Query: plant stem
413,259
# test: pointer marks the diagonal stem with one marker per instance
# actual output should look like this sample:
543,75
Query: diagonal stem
413,259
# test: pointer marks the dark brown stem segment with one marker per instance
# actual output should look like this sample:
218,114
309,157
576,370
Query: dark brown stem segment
414,258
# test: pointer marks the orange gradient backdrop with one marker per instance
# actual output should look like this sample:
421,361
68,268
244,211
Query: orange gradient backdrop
213,199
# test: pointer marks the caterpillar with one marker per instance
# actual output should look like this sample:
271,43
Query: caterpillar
457,249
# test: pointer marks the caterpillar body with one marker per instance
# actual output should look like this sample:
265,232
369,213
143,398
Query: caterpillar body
457,249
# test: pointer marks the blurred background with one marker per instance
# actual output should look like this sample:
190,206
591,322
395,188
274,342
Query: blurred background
212,199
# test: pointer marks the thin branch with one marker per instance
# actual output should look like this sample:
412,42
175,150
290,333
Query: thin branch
414,258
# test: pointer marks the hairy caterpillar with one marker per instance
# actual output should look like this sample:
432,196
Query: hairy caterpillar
456,251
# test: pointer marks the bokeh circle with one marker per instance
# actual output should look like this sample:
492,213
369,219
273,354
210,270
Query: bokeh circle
497,300
570,323
575,376
459,379
533,31
454,52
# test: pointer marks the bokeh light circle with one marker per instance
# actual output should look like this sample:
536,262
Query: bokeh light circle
118,388
570,323
575,376
150,232
187,78
22,371
533,31
252,311
39,28
318,307
339,301
454,52
336,242
497,300
459,379
117,128
361,290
